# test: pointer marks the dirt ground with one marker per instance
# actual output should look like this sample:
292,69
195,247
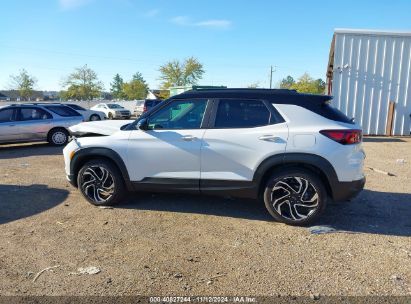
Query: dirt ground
162,244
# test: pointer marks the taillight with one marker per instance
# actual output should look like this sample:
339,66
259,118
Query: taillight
344,137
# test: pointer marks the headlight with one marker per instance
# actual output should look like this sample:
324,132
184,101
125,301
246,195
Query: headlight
71,155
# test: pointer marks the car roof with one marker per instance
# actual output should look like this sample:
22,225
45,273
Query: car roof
33,104
283,96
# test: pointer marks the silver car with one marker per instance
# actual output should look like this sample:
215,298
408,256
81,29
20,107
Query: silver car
37,122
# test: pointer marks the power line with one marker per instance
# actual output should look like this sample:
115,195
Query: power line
150,62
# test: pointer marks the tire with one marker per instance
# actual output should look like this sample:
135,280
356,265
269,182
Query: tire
58,137
94,117
101,183
295,196
110,116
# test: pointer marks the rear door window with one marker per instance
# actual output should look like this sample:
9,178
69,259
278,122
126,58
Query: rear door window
237,113
63,111
76,107
32,113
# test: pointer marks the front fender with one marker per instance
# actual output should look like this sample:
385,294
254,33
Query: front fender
86,154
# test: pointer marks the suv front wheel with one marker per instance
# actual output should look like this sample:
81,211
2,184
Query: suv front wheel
295,196
101,183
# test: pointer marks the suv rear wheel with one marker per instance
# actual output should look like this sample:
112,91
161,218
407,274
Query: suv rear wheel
58,137
101,183
94,117
295,196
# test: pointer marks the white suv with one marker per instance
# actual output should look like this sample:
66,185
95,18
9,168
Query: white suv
291,150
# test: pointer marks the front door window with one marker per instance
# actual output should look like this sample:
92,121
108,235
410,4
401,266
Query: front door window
179,114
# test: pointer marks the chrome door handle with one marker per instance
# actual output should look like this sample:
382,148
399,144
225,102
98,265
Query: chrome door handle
270,137
188,138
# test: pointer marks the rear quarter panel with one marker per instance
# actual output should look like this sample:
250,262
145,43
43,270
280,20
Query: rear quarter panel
304,137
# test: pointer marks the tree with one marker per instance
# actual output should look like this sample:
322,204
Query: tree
82,84
24,83
117,87
320,85
287,82
138,76
305,84
176,73
135,89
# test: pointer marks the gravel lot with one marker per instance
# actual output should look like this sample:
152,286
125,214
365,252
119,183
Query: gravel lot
162,244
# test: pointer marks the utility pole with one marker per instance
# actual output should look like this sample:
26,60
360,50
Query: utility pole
272,70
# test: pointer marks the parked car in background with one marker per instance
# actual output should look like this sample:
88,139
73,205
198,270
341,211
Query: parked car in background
292,151
143,106
138,108
150,103
88,115
37,122
112,110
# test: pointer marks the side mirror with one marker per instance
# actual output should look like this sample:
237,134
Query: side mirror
142,124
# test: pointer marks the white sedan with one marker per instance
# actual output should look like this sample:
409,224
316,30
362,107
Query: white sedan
88,115
113,110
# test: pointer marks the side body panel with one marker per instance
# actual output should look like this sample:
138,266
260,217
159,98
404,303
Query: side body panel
234,154
164,154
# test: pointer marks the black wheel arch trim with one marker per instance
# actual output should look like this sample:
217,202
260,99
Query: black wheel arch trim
85,154
307,159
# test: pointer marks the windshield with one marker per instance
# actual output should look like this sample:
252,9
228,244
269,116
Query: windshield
114,106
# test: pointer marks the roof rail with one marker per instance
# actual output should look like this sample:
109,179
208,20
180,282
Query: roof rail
198,88
212,88
34,103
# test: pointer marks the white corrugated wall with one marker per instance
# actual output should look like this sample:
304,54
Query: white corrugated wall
370,70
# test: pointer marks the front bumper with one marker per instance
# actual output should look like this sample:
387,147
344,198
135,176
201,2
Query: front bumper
71,180
121,115
345,191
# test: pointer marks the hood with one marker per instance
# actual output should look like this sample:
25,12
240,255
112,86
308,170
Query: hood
106,127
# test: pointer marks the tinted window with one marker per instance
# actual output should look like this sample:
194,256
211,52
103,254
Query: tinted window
62,111
179,114
76,107
332,113
321,107
152,103
234,113
114,106
6,115
33,114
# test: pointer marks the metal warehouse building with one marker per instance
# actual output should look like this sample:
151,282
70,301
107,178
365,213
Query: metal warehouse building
369,76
